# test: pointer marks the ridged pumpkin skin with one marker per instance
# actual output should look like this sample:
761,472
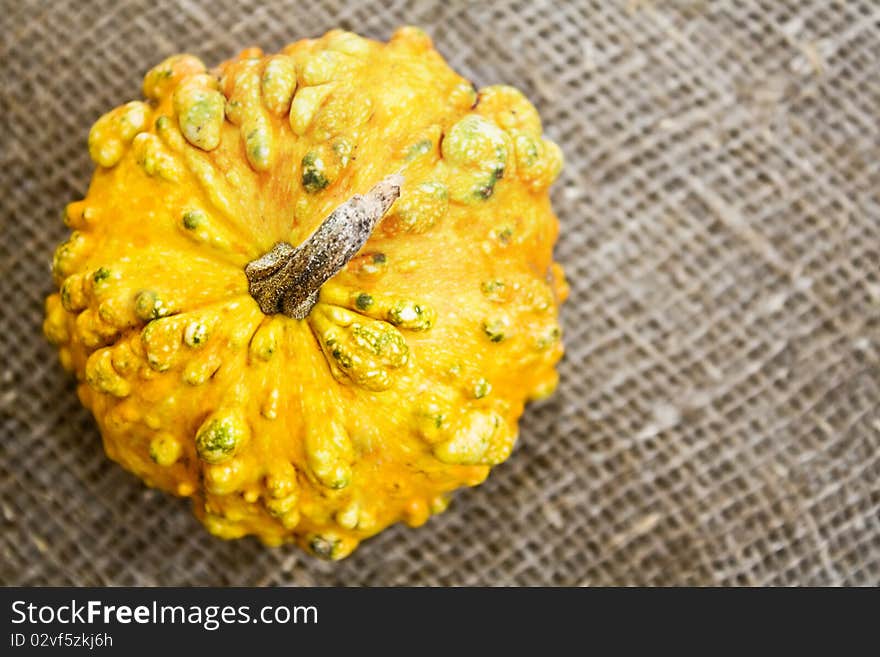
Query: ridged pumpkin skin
408,377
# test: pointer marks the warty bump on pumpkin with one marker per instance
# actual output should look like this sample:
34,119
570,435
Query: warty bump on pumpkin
302,377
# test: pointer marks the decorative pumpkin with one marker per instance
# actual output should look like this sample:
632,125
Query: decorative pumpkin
313,290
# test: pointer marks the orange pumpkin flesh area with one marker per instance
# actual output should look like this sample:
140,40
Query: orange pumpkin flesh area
410,369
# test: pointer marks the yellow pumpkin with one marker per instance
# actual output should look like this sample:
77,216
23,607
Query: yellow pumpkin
313,290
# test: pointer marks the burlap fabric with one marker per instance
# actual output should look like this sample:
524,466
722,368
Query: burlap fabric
717,420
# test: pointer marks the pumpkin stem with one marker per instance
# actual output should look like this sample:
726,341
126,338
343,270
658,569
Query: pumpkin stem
287,278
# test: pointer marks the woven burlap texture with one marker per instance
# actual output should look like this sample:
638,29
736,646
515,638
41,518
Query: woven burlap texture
717,419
